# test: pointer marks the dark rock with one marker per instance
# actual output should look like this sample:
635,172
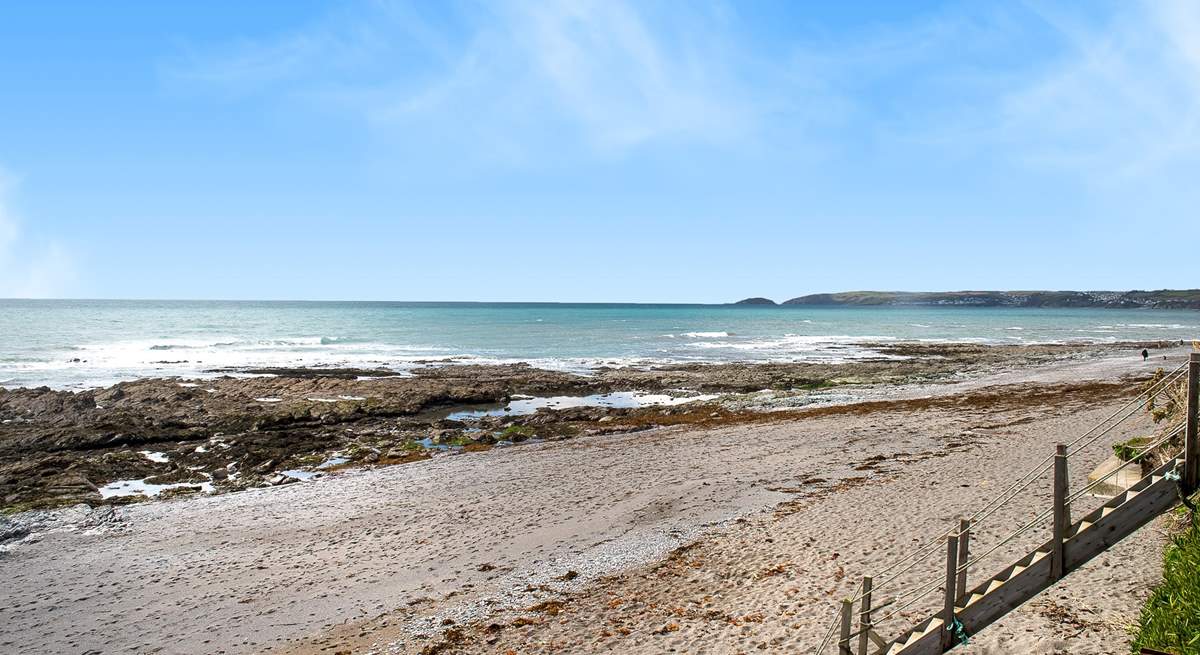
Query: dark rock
57,446
175,492
10,530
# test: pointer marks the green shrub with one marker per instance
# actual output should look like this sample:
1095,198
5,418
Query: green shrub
1127,451
1170,620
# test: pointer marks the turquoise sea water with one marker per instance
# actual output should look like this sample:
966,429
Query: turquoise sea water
76,344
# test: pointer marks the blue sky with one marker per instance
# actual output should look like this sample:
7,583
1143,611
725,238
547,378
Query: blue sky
595,151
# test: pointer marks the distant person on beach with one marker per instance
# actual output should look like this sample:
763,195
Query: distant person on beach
1145,354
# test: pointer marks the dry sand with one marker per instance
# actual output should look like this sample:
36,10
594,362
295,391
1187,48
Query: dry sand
448,555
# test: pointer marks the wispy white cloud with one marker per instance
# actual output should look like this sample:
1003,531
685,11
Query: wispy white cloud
1120,102
250,64
1101,95
603,72
628,83
28,270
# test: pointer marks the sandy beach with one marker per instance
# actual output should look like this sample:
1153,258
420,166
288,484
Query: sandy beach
676,539
599,327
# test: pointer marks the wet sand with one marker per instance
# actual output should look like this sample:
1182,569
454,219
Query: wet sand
575,546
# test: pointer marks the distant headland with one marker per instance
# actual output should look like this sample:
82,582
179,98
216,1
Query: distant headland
1162,299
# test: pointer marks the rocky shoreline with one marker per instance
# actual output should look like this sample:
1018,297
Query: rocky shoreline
735,530
253,428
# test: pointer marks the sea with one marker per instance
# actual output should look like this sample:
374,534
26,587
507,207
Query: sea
77,344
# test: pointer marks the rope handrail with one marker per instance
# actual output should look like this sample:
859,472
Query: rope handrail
1047,513
874,623
836,621
1046,464
972,562
1037,520
921,593
1179,370
923,552
1020,531
1132,405
829,633
937,584
1013,491
931,546
929,551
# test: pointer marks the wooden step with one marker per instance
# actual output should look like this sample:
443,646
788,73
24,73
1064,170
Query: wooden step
930,626
914,637
907,639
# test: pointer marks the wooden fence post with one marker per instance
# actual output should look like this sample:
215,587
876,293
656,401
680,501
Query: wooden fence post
964,548
864,616
951,579
844,641
1191,440
1062,512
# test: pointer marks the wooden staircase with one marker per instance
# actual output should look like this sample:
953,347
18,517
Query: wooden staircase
1022,580
1072,544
